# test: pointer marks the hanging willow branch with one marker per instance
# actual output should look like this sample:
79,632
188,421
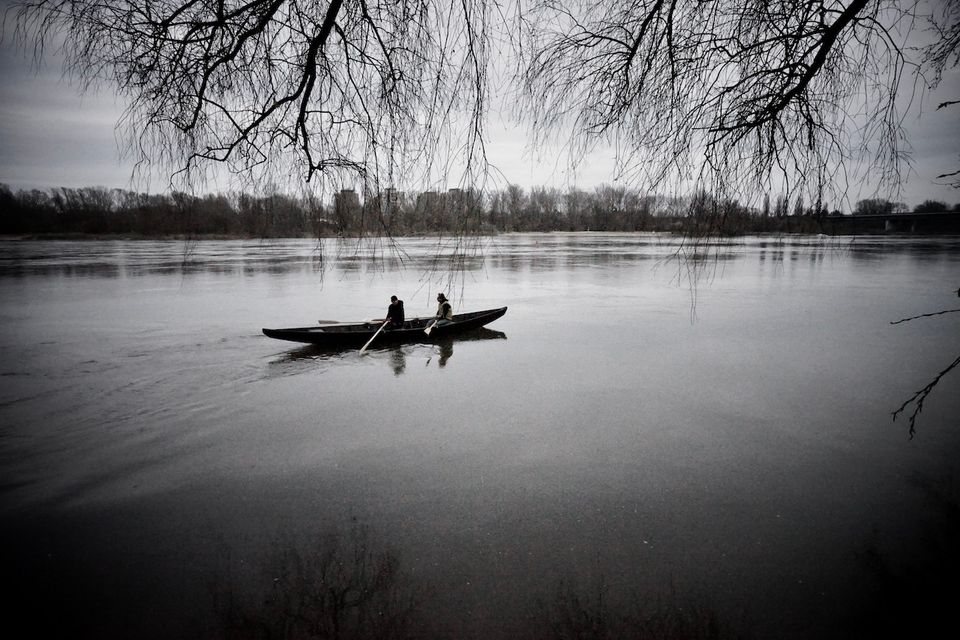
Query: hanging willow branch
348,91
730,93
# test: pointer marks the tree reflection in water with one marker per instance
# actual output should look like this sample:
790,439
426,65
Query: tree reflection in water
331,586
352,587
586,614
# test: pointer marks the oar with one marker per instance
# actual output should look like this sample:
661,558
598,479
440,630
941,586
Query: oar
385,323
430,326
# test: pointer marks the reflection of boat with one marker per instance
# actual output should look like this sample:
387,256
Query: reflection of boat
396,352
357,334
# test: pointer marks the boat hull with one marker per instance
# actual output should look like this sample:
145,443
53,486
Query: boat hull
357,334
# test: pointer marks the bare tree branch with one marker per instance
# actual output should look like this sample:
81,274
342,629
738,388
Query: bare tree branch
921,395
918,398
943,53
357,92
926,315
732,94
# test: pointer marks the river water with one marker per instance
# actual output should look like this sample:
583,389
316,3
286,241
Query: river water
655,434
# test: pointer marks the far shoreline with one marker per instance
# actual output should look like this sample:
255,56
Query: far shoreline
133,237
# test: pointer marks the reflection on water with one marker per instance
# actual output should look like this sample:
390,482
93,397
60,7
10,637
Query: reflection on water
354,586
610,455
318,357
446,350
328,585
927,586
112,259
584,612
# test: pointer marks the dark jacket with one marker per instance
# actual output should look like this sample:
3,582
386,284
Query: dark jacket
395,312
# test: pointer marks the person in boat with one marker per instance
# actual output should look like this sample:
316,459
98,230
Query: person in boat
444,310
395,313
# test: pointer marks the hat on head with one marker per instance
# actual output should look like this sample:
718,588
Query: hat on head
441,297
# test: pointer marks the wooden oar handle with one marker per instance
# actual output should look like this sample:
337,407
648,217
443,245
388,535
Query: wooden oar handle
364,347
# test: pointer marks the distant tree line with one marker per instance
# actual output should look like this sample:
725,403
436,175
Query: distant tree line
101,211
885,207
97,211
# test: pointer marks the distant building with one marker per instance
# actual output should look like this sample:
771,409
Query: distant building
428,202
346,210
389,200
386,206
346,201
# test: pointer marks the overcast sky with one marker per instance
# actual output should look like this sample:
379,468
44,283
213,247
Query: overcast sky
50,135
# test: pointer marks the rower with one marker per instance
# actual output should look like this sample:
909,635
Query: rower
395,313
444,310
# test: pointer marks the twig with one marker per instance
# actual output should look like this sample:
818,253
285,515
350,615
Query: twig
925,315
921,395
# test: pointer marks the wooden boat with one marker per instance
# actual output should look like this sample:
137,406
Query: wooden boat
357,334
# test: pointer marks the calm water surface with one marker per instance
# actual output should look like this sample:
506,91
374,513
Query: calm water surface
638,434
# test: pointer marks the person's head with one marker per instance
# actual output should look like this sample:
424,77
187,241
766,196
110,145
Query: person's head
393,298
441,297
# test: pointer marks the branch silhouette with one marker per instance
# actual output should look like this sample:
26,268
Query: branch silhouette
921,395
925,315
918,398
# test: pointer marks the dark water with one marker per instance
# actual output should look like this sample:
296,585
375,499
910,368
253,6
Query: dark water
702,442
